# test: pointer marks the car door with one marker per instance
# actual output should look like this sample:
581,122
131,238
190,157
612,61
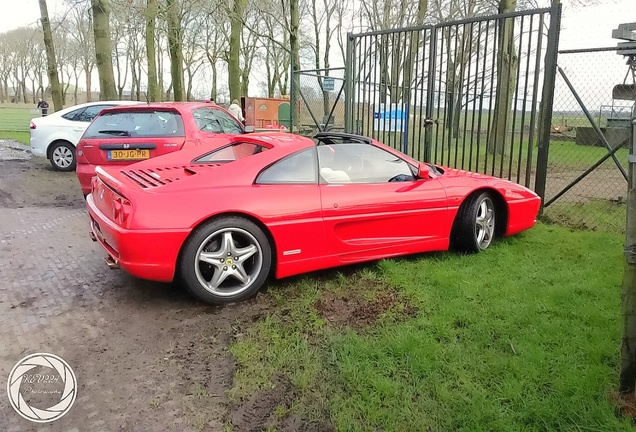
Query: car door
289,204
374,206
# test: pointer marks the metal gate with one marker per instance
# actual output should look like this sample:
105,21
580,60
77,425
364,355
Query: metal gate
317,95
593,106
474,94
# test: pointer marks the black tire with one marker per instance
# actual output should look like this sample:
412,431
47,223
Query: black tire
62,156
470,224
200,277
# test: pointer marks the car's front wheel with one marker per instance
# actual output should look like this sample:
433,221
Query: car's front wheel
474,227
226,260
62,156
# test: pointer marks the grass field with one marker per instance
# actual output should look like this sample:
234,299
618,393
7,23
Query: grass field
21,137
523,337
16,117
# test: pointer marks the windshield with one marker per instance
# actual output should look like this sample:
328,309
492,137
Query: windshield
216,121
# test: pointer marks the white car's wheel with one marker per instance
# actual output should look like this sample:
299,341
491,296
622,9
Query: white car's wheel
62,156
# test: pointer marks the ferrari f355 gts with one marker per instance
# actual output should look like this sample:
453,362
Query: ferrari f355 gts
224,217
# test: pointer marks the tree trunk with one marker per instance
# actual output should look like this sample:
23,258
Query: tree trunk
151,14
103,50
506,80
174,47
627,379
294,44
54,80
234,66
214,76
88,71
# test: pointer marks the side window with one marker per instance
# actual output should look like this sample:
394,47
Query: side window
361,163
216,121
300,167
90,113
73,114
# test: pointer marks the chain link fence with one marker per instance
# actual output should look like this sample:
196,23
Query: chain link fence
586,181
318,96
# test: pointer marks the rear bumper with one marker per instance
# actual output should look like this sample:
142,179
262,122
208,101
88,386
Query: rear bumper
85,173
146,254
37,147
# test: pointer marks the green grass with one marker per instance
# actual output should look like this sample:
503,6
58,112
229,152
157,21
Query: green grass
16,117
21,137
596,215
524,336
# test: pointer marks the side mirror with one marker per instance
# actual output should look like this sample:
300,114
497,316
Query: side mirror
249,129
423,171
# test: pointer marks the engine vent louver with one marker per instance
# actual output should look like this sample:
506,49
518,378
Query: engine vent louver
155,177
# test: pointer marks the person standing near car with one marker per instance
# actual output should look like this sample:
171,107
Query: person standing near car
43,106
236,111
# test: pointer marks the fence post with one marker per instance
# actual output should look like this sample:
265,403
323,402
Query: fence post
627,376
292,102
430,94
545,115
348,84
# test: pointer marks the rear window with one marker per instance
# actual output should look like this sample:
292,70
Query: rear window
231,153
137,124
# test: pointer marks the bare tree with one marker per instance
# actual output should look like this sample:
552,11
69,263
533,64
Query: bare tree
150,35
194,54
121,44
294,43
79,25
103,49
175,48
54,81
507,61
237,17
215,43
65,60
250,41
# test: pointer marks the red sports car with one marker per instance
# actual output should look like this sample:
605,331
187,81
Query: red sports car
223,217
126,134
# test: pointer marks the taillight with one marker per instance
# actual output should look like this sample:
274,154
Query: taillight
79,154
32,125
121,210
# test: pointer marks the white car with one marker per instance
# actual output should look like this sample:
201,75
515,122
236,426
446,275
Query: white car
55,136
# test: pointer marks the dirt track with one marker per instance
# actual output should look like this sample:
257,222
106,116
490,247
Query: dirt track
147,357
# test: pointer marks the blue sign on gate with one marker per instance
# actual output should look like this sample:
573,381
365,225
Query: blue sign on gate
328,84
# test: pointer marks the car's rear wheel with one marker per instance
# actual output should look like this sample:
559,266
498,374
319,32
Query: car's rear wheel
62,156
226,260
474,227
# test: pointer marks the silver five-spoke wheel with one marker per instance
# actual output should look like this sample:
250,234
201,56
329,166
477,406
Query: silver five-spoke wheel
226,260
485,223
475,224
229,261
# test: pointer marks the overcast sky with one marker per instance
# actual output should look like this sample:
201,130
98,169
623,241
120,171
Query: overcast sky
589,26
593,75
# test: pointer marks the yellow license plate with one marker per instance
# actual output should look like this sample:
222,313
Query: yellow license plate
128,154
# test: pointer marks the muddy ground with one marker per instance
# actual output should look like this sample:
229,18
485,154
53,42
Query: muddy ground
147,357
